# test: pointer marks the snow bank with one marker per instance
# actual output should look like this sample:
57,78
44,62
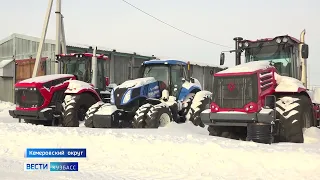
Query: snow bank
6,105
178,151
4,112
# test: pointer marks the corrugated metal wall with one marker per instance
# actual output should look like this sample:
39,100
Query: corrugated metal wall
26,49
6,50
7,89
205,75
120,67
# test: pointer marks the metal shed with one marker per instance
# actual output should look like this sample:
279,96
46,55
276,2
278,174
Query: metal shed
7,80
24,47
121,67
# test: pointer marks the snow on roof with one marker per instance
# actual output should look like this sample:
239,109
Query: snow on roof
246,67
46,78
3,63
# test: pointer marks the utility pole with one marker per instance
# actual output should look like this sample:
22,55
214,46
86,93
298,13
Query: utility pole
60,36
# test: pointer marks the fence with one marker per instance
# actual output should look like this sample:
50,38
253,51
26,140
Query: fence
24,68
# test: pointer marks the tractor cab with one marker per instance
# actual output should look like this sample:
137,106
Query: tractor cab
282,52
80,65
171,73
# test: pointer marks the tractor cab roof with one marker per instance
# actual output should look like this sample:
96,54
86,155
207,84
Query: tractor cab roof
271,39
80,55
165,61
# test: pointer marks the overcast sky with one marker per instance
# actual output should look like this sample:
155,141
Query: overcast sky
116,25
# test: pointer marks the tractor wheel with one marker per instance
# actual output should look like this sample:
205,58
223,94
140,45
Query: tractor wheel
158,116
139,119
88,119
198,105
186,104
74,108
295,114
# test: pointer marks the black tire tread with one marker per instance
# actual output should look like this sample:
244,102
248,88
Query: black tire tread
139,119
195,111
88,120
152,119
69,108
291,131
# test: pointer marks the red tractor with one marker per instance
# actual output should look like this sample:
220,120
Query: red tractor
265,99
41,100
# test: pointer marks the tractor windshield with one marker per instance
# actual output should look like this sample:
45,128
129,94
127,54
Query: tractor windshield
279,57
159,72
77,66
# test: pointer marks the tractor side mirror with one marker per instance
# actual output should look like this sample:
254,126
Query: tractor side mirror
222,57
305,51
107,80
270,102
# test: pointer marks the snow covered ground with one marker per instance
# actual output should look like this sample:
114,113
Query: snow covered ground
174,152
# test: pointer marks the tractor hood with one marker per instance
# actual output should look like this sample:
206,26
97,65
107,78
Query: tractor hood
245,68
137,82
39,80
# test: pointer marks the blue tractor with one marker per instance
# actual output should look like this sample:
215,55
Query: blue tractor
164,92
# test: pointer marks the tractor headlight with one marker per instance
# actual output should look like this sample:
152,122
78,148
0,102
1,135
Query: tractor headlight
112,96
278,40
127,97
285,39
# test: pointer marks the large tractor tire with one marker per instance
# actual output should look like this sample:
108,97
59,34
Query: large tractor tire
139,119
199,104
295,114
158,116
88,120
74,108
186,105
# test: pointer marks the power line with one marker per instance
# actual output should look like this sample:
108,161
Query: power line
174,26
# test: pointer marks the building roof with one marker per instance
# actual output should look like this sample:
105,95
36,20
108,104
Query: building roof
4,63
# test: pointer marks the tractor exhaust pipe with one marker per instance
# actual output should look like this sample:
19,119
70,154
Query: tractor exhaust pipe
303,61
237,52
94,67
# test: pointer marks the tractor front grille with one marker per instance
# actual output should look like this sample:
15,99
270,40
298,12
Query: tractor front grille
118,95
234,92
28,97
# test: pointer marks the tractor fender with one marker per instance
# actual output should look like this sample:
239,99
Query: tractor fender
188,88
286,84
153,101
78,87
289,84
